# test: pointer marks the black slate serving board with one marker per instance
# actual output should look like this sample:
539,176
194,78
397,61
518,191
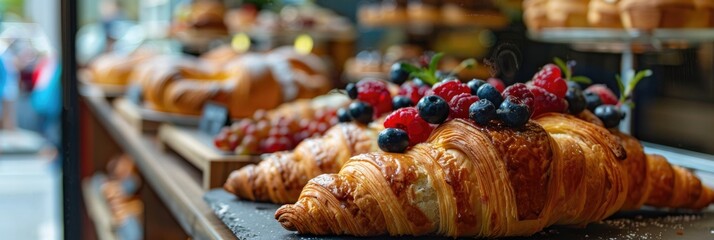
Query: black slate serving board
251,220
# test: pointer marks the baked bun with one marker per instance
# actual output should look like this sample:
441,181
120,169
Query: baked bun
651,14
604,14
535,14
568,13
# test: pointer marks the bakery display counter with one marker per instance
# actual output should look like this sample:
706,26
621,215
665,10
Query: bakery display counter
251,220
171,184
217,214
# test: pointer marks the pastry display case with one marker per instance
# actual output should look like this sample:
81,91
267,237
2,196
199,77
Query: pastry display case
535,119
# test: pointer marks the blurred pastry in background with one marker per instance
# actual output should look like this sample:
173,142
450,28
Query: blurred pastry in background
535,14
568,13
651,14
115,68
368,13
604,14
198,24
393,12
480,13
424,11
251,81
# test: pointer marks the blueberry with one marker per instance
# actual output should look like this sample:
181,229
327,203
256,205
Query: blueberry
433,109
513,113
592,99
482,111
351,90
401,102
576,100
489,92
609,115
393,140
574,85
397,74
475,84
343,115
361,112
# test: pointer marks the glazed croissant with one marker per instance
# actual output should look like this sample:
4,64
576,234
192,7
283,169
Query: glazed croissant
280,177
469,180
244,83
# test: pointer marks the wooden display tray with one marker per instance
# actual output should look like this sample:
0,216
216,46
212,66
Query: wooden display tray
197,147
254,220
148,121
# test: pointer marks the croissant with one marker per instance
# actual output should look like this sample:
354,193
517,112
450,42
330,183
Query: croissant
489,181
244,83
281,176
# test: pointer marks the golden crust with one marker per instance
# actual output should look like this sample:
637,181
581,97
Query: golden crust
469,180
281,176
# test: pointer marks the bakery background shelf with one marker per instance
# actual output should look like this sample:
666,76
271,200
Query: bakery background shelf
197,147
616,40
148,121
176,184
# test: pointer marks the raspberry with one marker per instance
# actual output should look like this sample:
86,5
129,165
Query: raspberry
549,78
552,68
521,92
448,89
607,96
408,120
545,102
497,83
414,91
376,94
460,105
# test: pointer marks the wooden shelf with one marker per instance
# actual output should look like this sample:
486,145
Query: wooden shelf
148,121
176,184
197,147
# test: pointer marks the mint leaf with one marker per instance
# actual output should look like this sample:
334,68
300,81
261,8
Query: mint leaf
435,62
621,87
638,77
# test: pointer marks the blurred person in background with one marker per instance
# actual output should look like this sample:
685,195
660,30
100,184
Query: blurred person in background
45,96
9,86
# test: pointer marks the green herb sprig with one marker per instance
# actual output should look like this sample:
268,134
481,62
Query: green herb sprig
428,75
626,91
567,69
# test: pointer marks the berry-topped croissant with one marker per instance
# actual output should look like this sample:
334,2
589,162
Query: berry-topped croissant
489,170
490,181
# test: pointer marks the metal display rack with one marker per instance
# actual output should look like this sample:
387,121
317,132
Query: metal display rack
624,41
